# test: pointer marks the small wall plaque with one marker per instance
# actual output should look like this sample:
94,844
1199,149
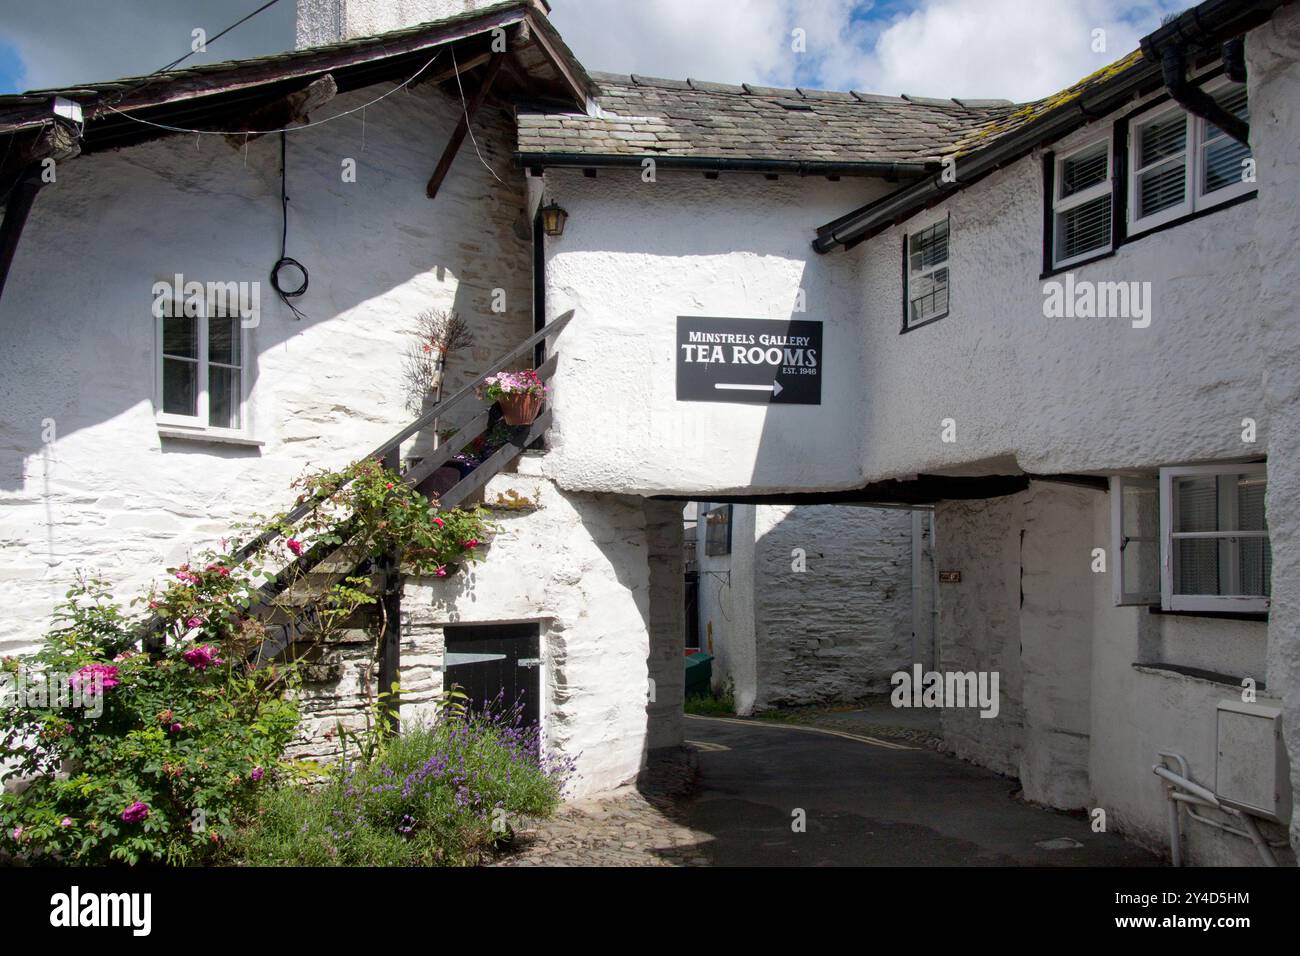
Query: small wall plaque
950,577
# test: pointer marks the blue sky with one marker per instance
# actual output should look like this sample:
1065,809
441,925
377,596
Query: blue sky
1014,49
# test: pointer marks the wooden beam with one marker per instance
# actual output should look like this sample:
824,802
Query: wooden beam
458,134
446,74
285,111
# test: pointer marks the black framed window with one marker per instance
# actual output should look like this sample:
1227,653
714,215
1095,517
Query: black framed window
926,279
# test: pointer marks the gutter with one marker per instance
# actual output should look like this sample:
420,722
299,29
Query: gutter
1200,30
719,164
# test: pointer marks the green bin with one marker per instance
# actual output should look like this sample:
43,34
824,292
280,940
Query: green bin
699,673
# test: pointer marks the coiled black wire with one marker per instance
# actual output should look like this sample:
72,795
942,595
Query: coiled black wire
284,260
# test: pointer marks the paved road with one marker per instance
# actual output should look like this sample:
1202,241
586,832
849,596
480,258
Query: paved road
869,804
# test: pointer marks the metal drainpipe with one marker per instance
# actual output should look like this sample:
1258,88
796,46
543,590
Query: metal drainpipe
1173,65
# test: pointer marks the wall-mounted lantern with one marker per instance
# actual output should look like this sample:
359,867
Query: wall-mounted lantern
553,218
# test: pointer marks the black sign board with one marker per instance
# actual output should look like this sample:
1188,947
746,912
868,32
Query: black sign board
762,361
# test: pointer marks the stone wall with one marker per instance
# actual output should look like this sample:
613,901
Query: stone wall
601,574
837,630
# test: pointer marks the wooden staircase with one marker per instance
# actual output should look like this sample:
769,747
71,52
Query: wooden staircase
288,604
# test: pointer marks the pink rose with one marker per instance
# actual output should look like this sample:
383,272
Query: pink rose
194,622
18,833
201,657
175,728
66,822
85,680
294,545
437,521
256,775
472,543
135,812
441,572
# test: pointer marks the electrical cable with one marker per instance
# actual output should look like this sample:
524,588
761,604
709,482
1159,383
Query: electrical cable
285,261
286,129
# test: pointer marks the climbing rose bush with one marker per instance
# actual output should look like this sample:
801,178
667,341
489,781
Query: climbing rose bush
155,758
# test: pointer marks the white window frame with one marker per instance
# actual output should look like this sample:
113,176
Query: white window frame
198,423
1119,541
1194,139
1240,604
1061,205
926,271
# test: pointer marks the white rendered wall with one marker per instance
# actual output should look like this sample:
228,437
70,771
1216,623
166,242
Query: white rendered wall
1272,54
597,572
634,256
108,495
327,21
727,607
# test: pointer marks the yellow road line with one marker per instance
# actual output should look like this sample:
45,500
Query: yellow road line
873,741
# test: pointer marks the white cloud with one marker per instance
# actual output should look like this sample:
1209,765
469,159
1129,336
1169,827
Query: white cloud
1014,49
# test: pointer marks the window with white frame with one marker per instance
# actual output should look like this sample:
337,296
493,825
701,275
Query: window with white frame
1214,538
201,371
927,275
1193,539
1180,163
1081,204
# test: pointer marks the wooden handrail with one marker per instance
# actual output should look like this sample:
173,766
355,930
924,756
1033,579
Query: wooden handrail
387,451
442,408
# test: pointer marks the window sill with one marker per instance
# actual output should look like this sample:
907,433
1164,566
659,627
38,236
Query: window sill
1070,267
1218,615
921,325
1196,673
1134,231
184,434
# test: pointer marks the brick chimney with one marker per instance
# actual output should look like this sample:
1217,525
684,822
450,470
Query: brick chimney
328,21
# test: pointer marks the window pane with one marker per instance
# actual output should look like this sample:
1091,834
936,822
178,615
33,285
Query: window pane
1198,503
1161,188
1083,228
1256,566
1162,139
929,295
180,391
180,336
929,247
1084,170
1223,163
223,397
223,341
1197,560
1250,503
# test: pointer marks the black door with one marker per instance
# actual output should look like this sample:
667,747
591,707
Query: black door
496,662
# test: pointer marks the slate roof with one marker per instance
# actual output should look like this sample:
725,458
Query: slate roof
646,116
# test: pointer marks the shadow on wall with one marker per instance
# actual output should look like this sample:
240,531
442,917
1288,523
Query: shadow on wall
80,338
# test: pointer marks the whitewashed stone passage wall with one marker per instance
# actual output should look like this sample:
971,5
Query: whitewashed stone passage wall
727,607
833,633
837,631
1085,703
602,575
108,494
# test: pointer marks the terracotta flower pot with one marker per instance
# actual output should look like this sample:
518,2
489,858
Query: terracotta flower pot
521,408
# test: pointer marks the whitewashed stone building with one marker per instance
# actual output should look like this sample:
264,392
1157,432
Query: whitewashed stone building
943,375
812,604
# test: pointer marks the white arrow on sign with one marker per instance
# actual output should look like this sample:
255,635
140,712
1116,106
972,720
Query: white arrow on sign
774,388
